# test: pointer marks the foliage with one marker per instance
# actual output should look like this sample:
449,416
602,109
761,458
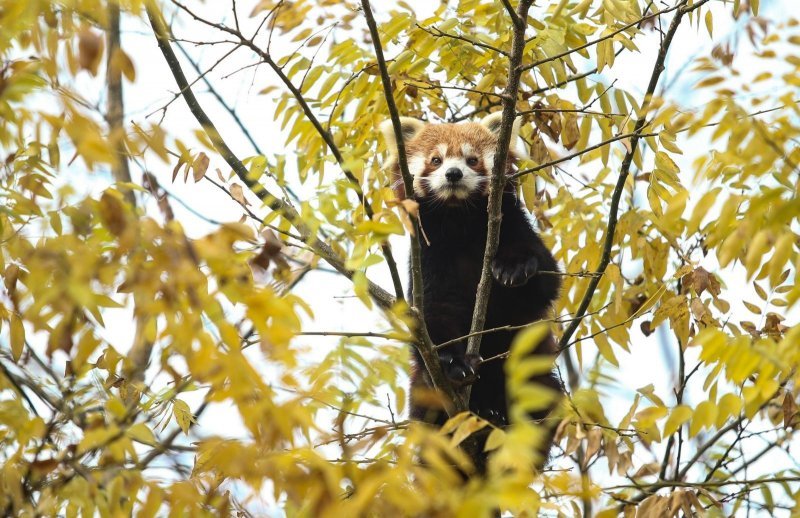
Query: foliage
149,367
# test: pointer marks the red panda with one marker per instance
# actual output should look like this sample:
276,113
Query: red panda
451,165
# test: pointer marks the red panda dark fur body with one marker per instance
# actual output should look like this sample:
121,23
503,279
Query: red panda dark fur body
453,214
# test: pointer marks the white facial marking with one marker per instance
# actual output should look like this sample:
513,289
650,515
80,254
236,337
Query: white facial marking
466,149
488,161
416,165
461,189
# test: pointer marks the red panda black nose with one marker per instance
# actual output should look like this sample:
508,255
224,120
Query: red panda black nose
453,174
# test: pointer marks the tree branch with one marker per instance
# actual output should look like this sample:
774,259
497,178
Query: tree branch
498,179
116,107
515,18
423,343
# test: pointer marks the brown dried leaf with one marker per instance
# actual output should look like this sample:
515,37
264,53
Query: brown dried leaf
408,208
44,466
411,207
648,469
270,252
200,166
561,429
595,436
539,152
548,122
750,328
790,417
702,280
571,134
645,327
772,325
238,194
177,169
699,310
90,50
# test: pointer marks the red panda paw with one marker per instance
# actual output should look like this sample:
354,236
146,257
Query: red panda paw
514,273
461,370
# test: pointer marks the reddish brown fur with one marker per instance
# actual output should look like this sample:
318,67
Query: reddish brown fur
427,140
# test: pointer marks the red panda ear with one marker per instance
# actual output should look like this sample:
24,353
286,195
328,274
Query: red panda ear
409,127
493,121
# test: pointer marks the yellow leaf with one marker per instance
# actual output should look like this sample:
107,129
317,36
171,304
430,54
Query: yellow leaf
361,288
679,415
122,62
97,438
649,392
471,425
704,416
605,350
454,422
752,307
781,254
183,414
17,332
140,432
729,405
527,340
665,163
496,439
649,303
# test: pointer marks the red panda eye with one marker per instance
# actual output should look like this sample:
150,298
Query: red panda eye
436,160
472,161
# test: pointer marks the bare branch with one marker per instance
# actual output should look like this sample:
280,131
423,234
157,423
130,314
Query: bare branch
423,342
116,108
498,178
515,18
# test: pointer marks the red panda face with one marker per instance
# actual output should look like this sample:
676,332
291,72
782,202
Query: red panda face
451,161
448,162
